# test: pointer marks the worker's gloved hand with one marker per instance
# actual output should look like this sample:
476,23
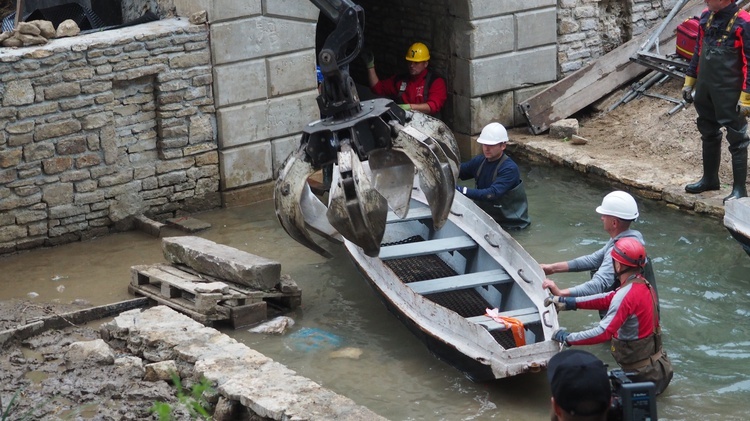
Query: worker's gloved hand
367,57
687,89
743,105
462,189
561,335
406,107
561,303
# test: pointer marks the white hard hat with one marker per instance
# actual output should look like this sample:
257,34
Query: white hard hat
620,205
492,134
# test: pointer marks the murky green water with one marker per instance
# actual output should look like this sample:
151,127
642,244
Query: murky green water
702,274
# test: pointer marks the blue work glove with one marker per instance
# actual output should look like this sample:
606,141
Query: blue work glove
561,335
367,57
561,303
406,107
462,189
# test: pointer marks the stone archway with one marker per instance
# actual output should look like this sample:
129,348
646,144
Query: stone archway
492,54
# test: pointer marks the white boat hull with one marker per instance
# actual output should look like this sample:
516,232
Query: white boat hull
489,265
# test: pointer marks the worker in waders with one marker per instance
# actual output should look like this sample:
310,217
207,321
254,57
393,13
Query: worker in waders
618,211
718,80
499,190
631,323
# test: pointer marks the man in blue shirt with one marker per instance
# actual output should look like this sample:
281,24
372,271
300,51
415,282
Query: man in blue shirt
499,190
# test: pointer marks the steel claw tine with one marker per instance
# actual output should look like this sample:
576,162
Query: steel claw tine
436,177
441,133
290,188
355,208
393,176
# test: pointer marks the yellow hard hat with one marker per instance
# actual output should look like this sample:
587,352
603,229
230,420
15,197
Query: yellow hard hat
418,52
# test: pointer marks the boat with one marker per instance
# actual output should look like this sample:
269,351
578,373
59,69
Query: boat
469,291
737,221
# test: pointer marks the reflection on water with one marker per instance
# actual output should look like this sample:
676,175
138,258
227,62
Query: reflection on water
701,270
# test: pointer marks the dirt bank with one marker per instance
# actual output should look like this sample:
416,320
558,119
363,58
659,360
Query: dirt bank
639,147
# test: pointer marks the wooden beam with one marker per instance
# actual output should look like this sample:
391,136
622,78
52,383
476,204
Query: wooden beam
600,77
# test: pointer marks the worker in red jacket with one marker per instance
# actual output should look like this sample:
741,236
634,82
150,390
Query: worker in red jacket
631,323
719,76
420,89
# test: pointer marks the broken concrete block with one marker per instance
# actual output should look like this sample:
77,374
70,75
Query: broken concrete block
89,352
224,262
162,370
565,128
148,225
578,140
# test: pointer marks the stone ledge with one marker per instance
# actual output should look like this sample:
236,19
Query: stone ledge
635,177
238,373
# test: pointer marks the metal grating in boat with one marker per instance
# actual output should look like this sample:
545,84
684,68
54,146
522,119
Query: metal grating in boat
465,302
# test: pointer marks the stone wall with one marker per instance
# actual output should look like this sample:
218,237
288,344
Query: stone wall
589,29
263,54
98,128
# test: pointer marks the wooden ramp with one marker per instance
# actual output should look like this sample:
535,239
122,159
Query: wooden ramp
599,78
207,299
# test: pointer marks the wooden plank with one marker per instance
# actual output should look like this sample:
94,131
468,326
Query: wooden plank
598,78
465,281
525,315
413,214
426,247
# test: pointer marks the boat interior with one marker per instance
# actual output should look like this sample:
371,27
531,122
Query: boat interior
449,268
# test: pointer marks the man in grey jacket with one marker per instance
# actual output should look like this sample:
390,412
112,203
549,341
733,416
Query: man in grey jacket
618,211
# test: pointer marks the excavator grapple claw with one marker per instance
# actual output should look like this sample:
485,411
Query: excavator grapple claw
374,148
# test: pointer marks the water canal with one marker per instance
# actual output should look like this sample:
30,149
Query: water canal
703,278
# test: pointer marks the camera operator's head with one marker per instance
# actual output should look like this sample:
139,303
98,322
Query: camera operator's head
580,386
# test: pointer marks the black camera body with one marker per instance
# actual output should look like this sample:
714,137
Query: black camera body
631,401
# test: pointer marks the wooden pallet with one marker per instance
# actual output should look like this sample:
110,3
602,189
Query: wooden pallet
207,299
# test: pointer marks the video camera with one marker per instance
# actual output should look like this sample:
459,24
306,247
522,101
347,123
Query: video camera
631,401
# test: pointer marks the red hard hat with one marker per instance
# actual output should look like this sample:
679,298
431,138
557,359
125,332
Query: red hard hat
629,252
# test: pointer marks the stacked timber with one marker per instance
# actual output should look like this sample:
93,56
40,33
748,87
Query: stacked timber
212,282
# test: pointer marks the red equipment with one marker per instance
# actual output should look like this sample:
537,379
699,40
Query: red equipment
687,35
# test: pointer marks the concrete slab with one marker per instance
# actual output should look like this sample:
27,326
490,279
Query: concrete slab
188,224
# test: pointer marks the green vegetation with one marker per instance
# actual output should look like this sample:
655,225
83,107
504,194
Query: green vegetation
195,402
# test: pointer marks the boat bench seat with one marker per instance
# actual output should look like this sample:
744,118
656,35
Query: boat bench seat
413,214
466,281
525,315
421,248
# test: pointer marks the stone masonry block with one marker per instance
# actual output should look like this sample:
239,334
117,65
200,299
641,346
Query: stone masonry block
246,165
241,82
292,8
292,73
261,120
537,28
499,73
259,37
475,113
282,148
476,9
219,10
222,261
487,37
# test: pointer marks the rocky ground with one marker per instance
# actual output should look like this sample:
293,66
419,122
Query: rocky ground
36,384
637,136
